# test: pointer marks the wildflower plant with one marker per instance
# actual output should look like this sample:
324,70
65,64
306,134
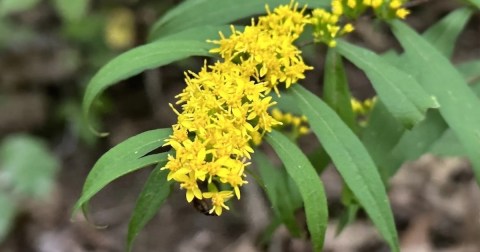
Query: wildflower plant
250,94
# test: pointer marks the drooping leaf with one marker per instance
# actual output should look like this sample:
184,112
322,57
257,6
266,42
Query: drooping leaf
307,181
27,165
276,189
139,59
444,33
154,193
124,158
213,12
400,92
458,104
179,46
352,161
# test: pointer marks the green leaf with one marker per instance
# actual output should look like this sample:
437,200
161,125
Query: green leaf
335,88
139,59
458,104
71,10
475,3
308,182
352,161
204,33
382,133
447,145
214,12
276,188
7,213
444,33
124,158
155,191
470,71
417,141
400,92
13,6
27,166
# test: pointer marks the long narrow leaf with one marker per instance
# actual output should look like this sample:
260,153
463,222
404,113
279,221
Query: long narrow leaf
352,161
308,182
124,158
335,88
154,193
383,132
213,12
401,93
380,136
444,33
459,105
178,46
137,60
277,191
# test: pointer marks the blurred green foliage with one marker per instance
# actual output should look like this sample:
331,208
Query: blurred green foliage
27,170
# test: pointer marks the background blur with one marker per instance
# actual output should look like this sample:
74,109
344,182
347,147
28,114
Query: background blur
49,49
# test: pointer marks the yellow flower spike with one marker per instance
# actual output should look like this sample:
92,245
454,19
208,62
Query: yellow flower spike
224,107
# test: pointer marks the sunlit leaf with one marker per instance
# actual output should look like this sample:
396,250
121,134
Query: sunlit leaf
308,182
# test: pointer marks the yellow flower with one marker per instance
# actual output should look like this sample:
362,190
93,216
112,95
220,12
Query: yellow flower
362,108
218,200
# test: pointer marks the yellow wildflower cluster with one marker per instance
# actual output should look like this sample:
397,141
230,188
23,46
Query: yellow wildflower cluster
328,26
362,108
225,106
266,49
298,124
384,9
